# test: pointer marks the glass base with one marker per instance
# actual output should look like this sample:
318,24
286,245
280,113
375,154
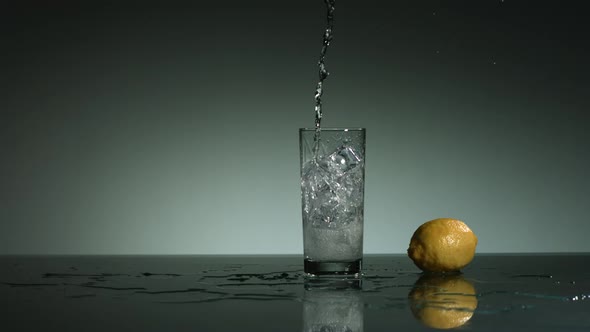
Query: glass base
351,269
332,283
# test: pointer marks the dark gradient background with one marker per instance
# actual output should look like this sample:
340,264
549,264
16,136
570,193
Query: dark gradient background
171,128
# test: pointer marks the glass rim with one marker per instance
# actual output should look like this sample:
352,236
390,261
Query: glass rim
334,129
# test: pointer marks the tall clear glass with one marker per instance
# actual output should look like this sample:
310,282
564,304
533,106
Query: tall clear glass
332,195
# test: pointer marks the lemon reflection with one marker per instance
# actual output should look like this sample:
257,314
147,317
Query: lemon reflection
443,301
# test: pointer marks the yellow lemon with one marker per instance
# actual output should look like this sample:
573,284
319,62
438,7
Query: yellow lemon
443,301
442,245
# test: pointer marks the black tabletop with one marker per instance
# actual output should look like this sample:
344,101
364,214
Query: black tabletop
535,292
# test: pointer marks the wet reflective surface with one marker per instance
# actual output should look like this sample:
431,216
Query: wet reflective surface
269,293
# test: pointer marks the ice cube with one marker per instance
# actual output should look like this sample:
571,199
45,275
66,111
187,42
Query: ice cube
320,200
333,206
314,177
332,189
341,161
314,181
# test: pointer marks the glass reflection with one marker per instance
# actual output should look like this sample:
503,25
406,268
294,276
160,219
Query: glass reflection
335,306
443,301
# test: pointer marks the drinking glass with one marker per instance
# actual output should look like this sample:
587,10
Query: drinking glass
332,195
